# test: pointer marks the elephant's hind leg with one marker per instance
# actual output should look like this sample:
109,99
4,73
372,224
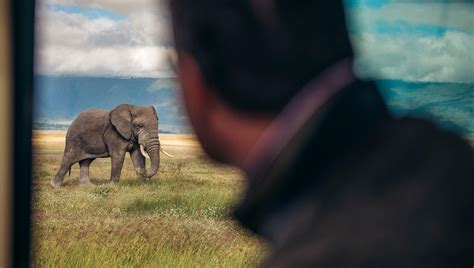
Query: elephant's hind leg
84,173
58,179
69,159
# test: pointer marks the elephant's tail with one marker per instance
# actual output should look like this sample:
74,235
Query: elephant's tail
70,171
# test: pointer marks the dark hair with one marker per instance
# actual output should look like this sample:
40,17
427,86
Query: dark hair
257,54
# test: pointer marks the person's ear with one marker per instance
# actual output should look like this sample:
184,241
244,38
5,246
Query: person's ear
197,96
121,119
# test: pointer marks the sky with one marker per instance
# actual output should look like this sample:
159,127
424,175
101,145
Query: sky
127,38
413,41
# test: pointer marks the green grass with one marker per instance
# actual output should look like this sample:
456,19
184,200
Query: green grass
178,219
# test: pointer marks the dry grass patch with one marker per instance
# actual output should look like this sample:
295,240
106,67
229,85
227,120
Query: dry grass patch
178,219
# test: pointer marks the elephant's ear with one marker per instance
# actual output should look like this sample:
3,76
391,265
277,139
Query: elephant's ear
156,114
121,119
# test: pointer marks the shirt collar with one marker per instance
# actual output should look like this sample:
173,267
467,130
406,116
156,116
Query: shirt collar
311,98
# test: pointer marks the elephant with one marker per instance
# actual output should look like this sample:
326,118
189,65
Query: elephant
99,134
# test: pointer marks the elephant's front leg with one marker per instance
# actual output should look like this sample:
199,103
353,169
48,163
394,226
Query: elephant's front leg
117,164
138,161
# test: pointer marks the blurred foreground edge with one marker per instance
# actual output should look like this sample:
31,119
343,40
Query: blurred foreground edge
16,88
5,148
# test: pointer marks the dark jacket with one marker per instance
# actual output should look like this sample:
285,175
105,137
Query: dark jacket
357,187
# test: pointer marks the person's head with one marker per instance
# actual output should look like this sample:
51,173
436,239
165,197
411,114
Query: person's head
244,60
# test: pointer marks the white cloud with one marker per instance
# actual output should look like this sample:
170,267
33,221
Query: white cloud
140,44
75,44
441,54
413,58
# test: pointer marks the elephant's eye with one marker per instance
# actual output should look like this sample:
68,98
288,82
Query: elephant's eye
140,125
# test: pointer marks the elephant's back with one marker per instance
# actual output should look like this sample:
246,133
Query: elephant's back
88,129
90,119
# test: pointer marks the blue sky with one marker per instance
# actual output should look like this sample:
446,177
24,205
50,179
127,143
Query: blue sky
88,12
366,3
399,28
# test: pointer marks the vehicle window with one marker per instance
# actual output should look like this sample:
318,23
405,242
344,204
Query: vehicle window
99,55
419,50
103,76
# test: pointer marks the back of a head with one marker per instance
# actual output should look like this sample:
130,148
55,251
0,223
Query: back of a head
257,54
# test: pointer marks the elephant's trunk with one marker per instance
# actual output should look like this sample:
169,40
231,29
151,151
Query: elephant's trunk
151,142
153,150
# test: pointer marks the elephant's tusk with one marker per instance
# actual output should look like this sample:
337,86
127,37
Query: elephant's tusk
142,150
167,154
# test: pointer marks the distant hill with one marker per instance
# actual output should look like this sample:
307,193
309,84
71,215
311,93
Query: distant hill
450,105
58,100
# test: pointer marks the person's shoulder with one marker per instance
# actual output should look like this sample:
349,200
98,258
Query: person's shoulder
426,153
424,135
418,177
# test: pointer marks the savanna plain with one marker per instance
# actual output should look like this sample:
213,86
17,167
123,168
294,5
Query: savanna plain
180,218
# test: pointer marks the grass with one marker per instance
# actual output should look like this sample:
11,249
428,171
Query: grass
178,219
